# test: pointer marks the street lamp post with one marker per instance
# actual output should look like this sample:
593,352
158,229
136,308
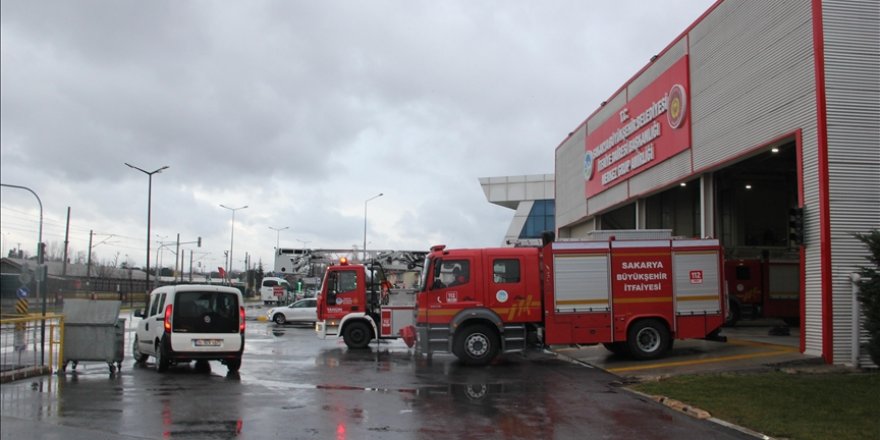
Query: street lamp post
41,271
149,209
278,236
364,259
304,243
231,241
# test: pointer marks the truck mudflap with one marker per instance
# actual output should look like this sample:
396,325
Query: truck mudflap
408,334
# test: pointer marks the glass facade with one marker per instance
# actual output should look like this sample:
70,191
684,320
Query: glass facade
541,218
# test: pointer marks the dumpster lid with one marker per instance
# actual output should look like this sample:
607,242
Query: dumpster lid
84,311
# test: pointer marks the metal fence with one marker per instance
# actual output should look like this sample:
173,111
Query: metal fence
30,346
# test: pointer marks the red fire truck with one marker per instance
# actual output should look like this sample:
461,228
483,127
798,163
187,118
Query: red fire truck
633,296
353,304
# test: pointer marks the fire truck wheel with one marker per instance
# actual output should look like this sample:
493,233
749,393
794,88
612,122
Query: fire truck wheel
476,344
357,335
647,339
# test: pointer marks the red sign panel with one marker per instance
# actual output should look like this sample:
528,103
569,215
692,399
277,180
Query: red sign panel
386,323
641,274
653,126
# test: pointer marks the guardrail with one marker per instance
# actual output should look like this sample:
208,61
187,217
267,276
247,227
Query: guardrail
23,351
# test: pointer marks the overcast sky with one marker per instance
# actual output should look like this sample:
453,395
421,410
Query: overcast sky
300,110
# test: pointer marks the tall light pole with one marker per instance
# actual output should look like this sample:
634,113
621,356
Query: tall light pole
365,223
231,240
149,208
278,236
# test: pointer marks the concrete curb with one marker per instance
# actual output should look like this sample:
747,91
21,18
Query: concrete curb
698,413
676,405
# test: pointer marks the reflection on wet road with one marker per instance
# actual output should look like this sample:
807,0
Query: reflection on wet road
293,385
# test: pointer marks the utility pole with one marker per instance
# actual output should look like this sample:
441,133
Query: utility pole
89,259
66,244
178,259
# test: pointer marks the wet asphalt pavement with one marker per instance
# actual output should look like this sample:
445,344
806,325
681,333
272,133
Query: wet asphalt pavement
294,385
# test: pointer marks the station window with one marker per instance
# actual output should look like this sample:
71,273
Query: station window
541,218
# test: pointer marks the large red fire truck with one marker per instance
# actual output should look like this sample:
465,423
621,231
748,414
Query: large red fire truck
633,296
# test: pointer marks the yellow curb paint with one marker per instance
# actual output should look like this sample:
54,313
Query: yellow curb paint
262,318
702,361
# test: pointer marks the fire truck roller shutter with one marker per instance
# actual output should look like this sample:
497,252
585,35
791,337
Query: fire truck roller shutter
696,282
582,283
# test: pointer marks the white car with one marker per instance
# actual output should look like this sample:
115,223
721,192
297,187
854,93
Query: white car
302,311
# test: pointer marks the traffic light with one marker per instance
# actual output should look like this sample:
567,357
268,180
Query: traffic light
796,226
199,242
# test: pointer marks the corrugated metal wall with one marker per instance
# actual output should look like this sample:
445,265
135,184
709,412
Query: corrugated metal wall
852,90
752,81
571,204
752,71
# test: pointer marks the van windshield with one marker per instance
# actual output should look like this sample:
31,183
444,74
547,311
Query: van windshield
205,312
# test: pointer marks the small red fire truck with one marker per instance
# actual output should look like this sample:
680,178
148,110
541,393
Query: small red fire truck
633,296
353,304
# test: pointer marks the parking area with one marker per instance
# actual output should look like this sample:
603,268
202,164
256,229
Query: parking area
751,345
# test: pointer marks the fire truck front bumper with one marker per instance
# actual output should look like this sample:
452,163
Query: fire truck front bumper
327,329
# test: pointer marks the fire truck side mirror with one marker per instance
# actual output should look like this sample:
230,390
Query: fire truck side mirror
548,237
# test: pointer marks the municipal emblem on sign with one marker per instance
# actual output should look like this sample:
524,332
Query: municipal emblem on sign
588,165
677,106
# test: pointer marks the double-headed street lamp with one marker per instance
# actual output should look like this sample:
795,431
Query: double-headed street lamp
149,208
364,259
278,236
231,241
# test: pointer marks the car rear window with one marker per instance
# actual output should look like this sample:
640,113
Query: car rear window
206,312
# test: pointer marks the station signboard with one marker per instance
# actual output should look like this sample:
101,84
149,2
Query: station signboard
652,127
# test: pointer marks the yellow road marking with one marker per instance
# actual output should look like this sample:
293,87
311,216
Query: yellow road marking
785,350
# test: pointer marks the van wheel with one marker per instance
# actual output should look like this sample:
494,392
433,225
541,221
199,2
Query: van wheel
357,335
476,344
139,358
233,365
279,319
648,339
162,361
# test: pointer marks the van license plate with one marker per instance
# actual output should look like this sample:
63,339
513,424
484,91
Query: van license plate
208,342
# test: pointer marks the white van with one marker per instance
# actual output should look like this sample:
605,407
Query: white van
275,290
191,323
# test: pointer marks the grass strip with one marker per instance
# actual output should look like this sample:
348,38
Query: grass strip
795,406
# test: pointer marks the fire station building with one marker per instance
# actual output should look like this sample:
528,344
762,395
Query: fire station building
758,125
